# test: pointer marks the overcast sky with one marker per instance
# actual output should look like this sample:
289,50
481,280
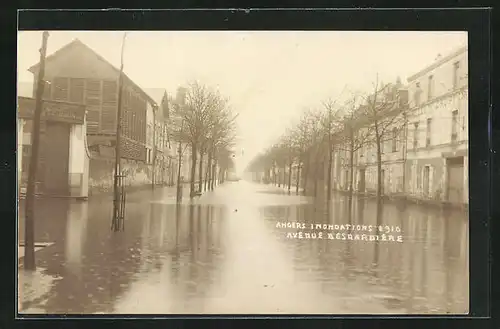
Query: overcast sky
269,76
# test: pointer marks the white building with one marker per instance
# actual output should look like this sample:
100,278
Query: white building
437,157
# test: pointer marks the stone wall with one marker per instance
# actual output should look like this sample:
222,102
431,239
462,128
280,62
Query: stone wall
101,174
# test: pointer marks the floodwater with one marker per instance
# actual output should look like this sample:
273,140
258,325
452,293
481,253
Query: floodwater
231,252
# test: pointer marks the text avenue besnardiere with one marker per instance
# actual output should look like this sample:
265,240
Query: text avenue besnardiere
386,233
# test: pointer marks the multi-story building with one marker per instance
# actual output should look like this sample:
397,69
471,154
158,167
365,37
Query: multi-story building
75,73
160,152
391,131
391,122
437,157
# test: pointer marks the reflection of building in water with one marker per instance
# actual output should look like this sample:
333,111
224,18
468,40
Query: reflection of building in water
76,233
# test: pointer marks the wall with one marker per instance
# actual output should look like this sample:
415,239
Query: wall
101,174
78,160
20,135
415,177
447,98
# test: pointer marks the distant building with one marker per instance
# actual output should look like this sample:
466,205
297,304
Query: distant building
392,148
437,164
163,155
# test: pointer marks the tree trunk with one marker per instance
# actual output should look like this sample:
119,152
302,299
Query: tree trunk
330,166
193,169
284,175
379,169
289,176
297,182
208,171
307,170
351,167
279,178
214,175
200,172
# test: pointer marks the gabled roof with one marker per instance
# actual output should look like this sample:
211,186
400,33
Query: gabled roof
76,43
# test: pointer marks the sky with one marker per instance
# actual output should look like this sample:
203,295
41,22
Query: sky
270,77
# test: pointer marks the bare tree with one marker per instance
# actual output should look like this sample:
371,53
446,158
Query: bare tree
196,116
331,122
352,139
385,115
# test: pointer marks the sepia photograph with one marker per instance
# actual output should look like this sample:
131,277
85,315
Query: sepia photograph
242,172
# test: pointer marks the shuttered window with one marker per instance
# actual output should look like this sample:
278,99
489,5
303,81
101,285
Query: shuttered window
93,92
93,114
76,90
109,93
61,86
108,118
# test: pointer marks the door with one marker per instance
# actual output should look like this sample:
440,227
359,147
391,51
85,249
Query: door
455,180
56,155
426,181
362,182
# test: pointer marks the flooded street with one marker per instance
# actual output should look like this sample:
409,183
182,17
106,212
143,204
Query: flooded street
223,253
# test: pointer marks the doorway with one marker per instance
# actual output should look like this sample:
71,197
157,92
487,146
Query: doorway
56,158
426,181
455,179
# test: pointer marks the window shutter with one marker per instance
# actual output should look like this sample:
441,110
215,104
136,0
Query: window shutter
109,93
61,89
93,92
76,90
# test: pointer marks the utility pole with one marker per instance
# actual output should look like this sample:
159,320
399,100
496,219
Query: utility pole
29,225
116,199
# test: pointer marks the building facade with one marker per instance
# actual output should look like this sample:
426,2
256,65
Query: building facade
63,161
77,74
437,164
391,123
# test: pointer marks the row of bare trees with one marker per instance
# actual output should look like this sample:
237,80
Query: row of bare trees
203,121
342,125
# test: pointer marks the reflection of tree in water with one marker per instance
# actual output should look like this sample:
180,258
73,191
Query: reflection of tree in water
175,263
109,260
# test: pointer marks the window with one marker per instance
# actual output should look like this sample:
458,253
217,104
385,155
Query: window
428,135
454,126
416,96
415,135
430,87
93,92
61,89
76,90
394,139
456,67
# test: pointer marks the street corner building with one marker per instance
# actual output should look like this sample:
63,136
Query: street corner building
79,127
425,158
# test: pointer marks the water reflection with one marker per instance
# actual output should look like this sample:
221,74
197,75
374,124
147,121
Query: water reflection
428,272
225,253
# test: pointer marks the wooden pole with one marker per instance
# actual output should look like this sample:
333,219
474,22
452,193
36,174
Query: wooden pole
29,225
116,201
